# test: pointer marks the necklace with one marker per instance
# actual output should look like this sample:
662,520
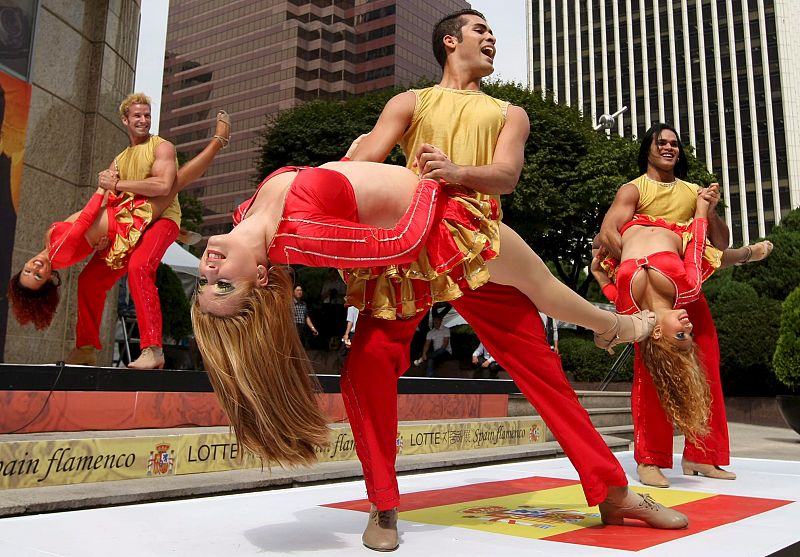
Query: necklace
662,184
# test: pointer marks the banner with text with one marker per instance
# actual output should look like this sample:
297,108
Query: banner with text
71,461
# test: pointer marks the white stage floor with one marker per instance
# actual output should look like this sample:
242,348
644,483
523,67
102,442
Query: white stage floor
532,509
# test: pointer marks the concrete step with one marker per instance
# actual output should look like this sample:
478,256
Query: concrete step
618,431
602,399
606,417
518,405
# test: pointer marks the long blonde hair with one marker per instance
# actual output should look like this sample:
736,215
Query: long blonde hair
681,385
262,376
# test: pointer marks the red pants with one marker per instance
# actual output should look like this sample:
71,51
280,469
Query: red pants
97,278
652,428
509,325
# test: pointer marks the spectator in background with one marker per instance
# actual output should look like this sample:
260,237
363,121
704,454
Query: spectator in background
301,318
349,331
551,330
437,346
350,327
482,360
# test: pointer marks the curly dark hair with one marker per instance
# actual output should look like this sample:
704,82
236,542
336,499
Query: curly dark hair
34,306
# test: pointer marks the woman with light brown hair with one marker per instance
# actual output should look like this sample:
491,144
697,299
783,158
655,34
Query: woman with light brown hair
362,218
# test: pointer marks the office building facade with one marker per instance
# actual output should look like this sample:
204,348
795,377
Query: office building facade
725,73
255,58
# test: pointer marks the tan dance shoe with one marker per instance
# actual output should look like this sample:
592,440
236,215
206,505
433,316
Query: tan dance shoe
151,357
626,328
708,470
381,531
644,508
650,474
82,356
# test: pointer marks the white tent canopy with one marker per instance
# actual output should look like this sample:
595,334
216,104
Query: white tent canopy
184,264
181,260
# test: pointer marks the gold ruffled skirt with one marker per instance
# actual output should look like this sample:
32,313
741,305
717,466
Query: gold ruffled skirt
128,216
453,259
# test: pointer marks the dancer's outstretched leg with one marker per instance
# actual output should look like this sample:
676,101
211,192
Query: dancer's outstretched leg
746,254
192,169
520,267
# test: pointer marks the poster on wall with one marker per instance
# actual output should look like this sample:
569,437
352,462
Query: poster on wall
16,36
15,99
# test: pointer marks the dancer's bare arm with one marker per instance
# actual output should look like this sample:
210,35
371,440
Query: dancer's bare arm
499,177
718,233
392,123
621,211
160,182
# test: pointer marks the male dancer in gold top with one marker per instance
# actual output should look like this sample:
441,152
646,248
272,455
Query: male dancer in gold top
455,133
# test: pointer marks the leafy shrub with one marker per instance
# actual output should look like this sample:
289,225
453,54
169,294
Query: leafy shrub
786,360
175,319
779,274
585,362
747,327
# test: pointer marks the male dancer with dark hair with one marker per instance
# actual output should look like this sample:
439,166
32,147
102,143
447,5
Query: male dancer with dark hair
661,192
455,133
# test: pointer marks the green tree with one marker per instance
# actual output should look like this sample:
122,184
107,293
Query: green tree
191,211
747,326
175,319
787,353
320,131
778,275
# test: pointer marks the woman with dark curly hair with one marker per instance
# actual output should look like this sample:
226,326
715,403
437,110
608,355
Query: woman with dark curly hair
35,306
110,222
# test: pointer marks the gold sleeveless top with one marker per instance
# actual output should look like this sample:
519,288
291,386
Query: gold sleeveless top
135,163
463,124
674,202
671,201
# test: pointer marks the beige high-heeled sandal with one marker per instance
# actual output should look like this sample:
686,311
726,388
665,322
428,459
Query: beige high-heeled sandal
642,323
760,256
223,117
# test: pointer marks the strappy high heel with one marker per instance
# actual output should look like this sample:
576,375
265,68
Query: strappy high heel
642,324
764,249
223,117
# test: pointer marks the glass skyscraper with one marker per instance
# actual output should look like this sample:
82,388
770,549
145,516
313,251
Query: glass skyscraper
723,72
255,58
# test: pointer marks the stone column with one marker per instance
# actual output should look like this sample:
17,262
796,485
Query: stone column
83,62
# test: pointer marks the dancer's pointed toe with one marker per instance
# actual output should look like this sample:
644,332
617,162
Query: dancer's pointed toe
223,131
627,328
